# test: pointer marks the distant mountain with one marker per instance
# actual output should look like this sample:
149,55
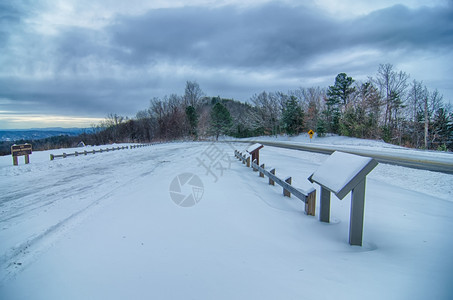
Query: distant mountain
39,133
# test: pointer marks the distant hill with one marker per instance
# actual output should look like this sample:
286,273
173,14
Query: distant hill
38,133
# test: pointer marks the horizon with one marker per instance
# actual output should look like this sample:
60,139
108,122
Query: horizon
44,128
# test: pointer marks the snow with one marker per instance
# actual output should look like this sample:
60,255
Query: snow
104,226
339,169
254,147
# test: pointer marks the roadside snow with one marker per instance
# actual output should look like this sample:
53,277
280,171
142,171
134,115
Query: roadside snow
104,226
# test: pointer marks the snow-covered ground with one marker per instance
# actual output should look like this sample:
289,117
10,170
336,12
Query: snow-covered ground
105,226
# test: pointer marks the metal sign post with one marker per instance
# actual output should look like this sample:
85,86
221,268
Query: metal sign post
340,174
311,133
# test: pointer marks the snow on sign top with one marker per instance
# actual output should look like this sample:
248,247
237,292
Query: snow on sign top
254,147
340,169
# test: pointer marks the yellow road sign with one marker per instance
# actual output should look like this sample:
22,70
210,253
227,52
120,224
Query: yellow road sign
310,133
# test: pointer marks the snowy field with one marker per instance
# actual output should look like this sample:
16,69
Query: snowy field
106,226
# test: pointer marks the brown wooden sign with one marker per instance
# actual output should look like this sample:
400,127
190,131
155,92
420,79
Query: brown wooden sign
19,150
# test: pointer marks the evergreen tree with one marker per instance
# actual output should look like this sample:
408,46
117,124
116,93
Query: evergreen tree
292,117
331,115
337,95
443,129
341,91
321,127
221,121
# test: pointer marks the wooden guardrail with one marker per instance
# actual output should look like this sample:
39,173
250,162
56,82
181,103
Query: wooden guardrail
85,152
308,197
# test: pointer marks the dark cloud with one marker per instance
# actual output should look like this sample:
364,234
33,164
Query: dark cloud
400,27
272,35
13,16
269,35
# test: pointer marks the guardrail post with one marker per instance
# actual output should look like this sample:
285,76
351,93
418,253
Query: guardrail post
64,155
243,158
248,162
15,161
85,152
324,205
27,159
261,173
76,153
255,162
52,157
310,204
285,192
271,182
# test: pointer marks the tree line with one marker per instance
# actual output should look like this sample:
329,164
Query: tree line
388,106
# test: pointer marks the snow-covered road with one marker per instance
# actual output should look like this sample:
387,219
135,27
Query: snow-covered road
104,226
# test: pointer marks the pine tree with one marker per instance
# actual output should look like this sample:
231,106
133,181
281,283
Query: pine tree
292,117
221,121
321,127
337,95
442,128
341,91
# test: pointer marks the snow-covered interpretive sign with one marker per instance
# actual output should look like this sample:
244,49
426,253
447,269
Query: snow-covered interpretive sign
254,150
21,150
340,174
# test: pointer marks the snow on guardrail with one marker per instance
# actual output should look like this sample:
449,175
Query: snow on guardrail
401,157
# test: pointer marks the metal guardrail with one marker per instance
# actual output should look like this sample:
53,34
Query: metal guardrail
85,152
308,197
393,158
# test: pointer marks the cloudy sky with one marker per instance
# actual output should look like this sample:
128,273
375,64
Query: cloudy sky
71,62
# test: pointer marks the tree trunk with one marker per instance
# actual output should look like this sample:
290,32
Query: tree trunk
426,122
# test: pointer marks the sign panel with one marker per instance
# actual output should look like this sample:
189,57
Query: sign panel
341,172
310,133
19,150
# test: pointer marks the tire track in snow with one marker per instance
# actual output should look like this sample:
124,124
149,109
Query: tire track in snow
18,257
27,252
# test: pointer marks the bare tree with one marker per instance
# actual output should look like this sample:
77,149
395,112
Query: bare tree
312,104
192,94
432,103
269,111
392,86
416,96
